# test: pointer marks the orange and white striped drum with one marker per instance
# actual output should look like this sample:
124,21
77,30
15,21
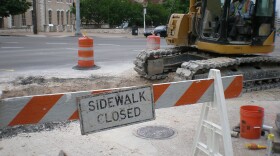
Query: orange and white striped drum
153,42
85,52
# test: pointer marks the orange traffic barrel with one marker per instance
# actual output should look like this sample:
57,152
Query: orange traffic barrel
251,121
153,42
85,52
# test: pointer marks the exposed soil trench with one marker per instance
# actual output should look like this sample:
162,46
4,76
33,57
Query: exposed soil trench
31,85
38,85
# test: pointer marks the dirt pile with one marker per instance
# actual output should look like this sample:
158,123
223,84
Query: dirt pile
25,86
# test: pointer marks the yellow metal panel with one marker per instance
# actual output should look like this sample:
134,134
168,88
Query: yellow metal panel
270,39
192,8
234,49
177,30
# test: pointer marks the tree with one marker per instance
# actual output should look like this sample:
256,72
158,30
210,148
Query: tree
176,6
136,14
13,7
90,10
73,8
125,10
156,15
115,12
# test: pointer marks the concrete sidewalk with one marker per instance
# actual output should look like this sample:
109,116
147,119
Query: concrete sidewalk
124,141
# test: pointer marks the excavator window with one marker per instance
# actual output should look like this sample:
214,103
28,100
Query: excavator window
249,27
211,19
264,20
265,8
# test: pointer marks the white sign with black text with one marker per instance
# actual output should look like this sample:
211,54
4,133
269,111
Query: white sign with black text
115,109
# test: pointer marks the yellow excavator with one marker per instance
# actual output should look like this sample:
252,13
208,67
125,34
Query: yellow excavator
203,40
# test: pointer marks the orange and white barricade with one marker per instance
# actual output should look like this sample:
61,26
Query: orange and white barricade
63,107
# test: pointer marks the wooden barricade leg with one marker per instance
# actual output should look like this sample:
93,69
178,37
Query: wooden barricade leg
214,132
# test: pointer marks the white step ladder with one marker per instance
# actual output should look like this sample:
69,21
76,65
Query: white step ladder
214,133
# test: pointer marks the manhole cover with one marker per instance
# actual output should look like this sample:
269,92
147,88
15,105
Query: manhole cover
155,132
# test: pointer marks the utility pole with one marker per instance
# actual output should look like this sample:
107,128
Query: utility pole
45,7
145,4
34,17
78,20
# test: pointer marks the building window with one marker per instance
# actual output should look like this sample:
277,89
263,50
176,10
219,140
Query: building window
67,17
71,18
23,19
58,17
62,17
50,17
31,17
13,21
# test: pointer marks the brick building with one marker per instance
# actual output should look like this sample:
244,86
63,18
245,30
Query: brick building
52,15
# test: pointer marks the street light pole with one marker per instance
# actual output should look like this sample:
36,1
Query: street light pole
145,4
34,17
78,20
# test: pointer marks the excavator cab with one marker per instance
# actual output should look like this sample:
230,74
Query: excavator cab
222,23
212,26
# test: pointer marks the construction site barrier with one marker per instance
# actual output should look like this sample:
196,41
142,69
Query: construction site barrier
153,42
63,107
85,52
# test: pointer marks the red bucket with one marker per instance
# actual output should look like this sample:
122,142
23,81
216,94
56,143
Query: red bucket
251,121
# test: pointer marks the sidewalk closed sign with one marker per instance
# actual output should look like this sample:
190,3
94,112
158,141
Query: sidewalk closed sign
115,109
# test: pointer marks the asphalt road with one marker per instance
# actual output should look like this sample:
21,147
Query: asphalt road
25,53
19,54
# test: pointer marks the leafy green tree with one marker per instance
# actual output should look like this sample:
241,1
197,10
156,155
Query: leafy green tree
113,12
125,10
13,7
73,8
137,14
156,15
116,12
176,6
95,11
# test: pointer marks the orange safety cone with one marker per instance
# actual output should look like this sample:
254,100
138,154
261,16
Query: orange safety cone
85,52
153,42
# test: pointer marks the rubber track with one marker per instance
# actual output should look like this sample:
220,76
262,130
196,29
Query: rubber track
189,70
142,58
